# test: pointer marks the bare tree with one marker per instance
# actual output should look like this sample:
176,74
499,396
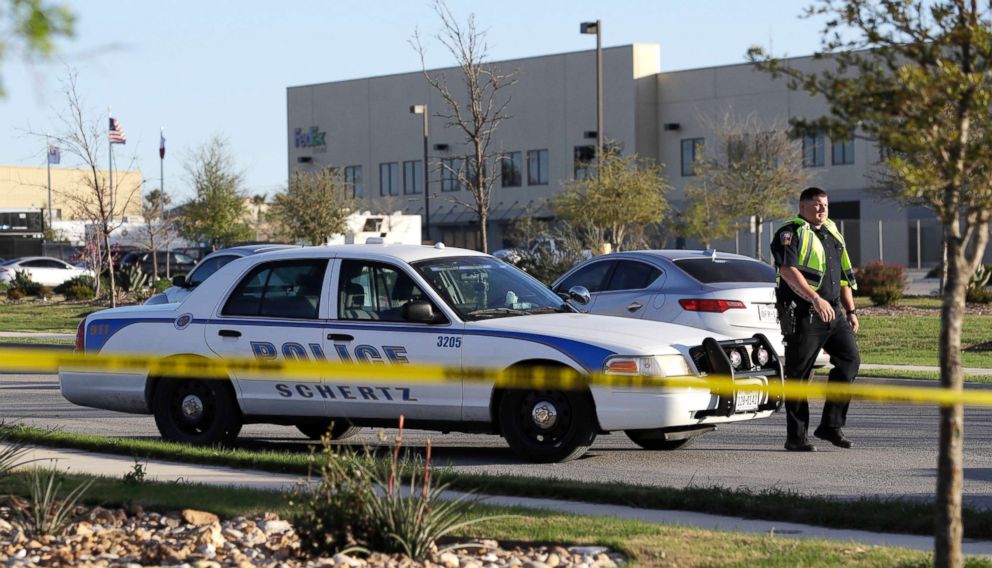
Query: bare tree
751,169
478,111
84,137
218,212
158,229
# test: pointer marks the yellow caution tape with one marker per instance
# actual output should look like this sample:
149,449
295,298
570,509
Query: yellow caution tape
558,378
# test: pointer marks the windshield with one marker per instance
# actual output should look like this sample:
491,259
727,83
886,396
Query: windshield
480,287
710,271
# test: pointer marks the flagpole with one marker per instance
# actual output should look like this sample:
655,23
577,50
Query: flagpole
48,159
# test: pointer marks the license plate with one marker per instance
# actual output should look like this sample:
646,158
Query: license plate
767,312
748,401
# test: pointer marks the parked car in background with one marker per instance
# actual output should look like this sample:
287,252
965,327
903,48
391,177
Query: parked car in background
184,284
720,292
178,263
42,269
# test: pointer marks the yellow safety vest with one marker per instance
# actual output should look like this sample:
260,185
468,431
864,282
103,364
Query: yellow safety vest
812,258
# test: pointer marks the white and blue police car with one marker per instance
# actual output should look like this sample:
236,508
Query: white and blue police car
407,305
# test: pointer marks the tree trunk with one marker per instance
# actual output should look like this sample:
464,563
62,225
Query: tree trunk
948,530
151,239
110,269
483,229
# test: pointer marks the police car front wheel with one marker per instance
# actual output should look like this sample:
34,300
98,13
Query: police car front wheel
196,411
547,426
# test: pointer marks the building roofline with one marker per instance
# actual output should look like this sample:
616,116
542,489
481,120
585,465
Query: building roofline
502,61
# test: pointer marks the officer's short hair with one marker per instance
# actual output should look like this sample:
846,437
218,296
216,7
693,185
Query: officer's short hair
811,193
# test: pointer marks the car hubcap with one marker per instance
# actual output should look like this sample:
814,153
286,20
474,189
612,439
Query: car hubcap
545,415
192,408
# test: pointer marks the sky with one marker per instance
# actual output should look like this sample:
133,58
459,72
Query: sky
200,69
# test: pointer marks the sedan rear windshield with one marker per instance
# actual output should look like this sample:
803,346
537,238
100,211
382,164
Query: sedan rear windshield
709,271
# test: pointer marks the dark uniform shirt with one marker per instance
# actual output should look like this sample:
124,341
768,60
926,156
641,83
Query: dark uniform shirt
785,250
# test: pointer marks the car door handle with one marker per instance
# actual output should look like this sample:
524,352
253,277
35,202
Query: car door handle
634,307
229,333
339,337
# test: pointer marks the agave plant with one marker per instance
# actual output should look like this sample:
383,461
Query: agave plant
11,455
980,278
47,514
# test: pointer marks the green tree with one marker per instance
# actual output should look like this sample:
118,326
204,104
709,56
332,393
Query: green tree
217,214
917,77
621,192
750,171
313,207
31,27
158,230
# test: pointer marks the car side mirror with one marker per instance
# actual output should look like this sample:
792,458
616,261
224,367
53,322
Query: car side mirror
180,280
579,295
418,311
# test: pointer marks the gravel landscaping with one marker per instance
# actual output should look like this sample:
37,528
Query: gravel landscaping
133,537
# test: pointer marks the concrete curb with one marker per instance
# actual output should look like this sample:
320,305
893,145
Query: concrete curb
79,461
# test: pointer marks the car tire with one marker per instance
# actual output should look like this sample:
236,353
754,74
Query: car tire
546,426
196,411
644,439
339,429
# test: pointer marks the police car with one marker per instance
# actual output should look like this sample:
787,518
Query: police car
401,305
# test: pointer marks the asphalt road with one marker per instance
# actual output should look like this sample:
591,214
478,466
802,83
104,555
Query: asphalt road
895,456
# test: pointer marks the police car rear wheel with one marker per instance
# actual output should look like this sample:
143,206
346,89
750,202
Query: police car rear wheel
339,429
547,426
195,411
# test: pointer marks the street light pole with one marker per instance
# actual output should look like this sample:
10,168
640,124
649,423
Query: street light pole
597,28
422,109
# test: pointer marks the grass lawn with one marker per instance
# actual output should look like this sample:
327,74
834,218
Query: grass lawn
873,514
913,339
645,544
62,317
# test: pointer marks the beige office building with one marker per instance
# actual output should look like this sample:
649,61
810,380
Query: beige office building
26,188
365,127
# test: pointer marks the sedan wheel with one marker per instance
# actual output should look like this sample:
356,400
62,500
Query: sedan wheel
547,426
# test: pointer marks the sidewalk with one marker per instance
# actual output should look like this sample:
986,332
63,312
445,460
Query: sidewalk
79,461
934,369
37,335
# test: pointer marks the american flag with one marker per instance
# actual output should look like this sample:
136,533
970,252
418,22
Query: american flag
116,134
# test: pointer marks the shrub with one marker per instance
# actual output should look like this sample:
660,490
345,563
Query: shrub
979,295
4,287
22,281
162,284
15,294
79,292
883,283
76,281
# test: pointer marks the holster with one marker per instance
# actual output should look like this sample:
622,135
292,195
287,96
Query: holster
787,318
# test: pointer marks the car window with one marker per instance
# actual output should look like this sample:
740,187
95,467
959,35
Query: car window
592,277
632,275
34,264
374,291
709,271
56,264
181,258
286,289
208,267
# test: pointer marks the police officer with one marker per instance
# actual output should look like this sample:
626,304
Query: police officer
816,311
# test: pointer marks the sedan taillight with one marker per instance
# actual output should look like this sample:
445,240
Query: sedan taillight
713,306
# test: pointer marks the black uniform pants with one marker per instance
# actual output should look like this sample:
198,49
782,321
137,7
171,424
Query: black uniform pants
801,349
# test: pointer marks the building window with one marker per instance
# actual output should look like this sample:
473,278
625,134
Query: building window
353,177
843,153
692,152
537,167
510,175
450,169
413,176
584,156
813,150
389,182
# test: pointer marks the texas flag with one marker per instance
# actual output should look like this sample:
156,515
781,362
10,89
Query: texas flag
161,144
